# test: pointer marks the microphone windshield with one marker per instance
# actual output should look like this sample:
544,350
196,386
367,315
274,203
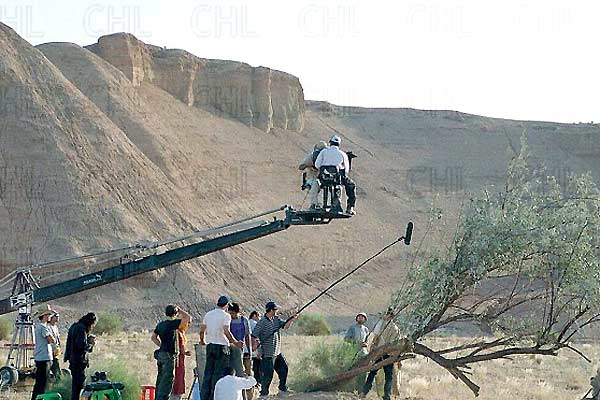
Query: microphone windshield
408,235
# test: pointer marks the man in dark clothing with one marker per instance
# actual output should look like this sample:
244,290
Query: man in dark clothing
267,332
79,344
164,337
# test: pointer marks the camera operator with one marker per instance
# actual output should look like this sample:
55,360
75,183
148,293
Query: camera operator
79,344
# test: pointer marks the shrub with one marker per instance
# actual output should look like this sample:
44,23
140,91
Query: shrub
116,371
108,324
62,386
6,327
324,360
312,325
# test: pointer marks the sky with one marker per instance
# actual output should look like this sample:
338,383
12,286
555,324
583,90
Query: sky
531,60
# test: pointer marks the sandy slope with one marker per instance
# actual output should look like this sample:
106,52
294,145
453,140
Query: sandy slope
90,161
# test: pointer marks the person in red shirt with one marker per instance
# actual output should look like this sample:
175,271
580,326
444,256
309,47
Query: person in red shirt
179,381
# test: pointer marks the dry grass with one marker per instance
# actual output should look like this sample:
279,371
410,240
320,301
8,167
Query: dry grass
528,377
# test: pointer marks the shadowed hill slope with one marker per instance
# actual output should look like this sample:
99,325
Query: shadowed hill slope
99,147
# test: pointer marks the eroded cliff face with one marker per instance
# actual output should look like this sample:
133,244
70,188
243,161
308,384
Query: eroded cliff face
256,96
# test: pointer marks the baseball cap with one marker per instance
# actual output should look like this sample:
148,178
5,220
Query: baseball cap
271,305
223,301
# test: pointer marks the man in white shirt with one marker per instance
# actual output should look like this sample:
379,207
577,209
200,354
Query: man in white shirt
333,156
42,353
230,386
56,350
215,334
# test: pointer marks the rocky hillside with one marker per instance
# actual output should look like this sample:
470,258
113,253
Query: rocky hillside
122,141
258,97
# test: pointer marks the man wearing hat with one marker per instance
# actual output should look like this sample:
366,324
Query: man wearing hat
164,337
358,333
312,173
216,335
267,333
385,332
56,350
42,353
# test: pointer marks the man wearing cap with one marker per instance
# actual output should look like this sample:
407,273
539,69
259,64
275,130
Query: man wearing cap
42,353
216,335
358,333
56,350
267,332
312,173
333,156
164,337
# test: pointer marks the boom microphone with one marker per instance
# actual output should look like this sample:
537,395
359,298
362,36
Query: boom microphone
408,235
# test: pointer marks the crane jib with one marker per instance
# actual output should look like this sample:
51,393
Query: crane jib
147,264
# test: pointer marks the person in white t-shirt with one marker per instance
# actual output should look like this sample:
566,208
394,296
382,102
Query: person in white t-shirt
215,334
333,156
230,386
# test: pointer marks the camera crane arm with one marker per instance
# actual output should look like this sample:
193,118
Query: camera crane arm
26,290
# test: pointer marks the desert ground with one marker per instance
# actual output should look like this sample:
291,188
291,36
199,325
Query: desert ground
530,377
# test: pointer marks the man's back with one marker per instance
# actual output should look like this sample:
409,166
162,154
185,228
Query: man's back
215,320
76,348
166,331
43,349
230,387
332,156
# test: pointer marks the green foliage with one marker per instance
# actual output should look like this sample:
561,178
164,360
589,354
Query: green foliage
324,360
534,242
108,324
6,327
312,325
118,372
62,386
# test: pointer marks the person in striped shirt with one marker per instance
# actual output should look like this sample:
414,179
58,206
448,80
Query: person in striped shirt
267,333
